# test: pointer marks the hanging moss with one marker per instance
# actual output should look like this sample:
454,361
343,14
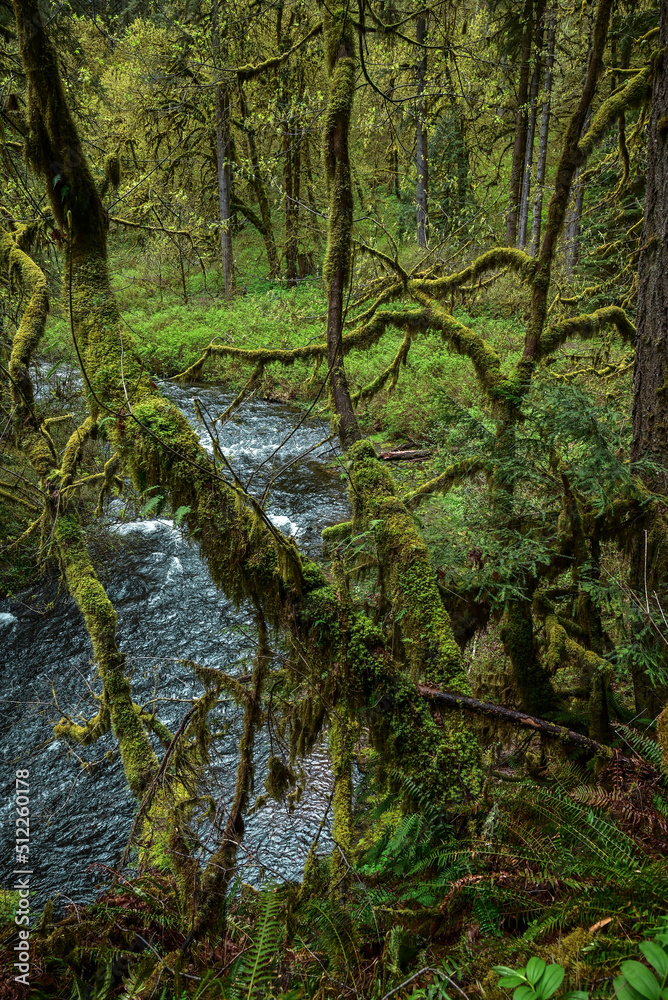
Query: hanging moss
531,678
586,327
630,96
430,647
280,778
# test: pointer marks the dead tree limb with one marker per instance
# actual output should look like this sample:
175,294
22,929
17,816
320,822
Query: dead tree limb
541,726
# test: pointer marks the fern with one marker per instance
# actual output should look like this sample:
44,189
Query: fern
645,747
251,972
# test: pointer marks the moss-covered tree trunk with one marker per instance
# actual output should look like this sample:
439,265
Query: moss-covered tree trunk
519,144
223,145
650,377
421,139
531,126
341,66
536,220
259,188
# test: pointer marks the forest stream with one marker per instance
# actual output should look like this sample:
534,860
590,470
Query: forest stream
168,610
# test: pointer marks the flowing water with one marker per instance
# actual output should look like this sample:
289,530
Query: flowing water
168,610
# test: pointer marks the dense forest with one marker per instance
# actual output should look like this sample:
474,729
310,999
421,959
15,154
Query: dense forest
442,229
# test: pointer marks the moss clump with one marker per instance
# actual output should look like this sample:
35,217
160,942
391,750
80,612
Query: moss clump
407,574
280,778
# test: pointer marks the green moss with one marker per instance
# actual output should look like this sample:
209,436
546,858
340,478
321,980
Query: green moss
408,576
533,683
630,96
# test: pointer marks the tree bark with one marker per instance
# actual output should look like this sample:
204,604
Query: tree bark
223,157
575,214
341,66
260,190
541,726
544,132
421,155
650,378
570,160
292,147
520,127
650,381
531,127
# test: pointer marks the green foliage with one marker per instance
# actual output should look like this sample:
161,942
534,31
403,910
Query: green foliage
637,982
537,981
251,973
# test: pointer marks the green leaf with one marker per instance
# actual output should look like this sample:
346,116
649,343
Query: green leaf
510,982
524,993
535,969
656,957
641,979
504,970
550,981
153,502
54,368
180,514
575,995
624,991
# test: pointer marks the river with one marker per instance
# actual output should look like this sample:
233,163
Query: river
168,610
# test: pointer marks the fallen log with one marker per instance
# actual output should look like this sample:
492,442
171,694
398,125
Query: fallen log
541,726
405,456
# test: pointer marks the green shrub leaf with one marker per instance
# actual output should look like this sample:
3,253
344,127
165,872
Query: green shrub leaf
641,979
550,981
656,956
535,969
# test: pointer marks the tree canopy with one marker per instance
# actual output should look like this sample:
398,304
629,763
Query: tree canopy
458,213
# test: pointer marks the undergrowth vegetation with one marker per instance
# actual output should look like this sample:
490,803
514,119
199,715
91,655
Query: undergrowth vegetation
480,651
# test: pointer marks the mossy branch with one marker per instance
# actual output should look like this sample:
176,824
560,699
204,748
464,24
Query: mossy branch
540,726
87,734
366,335
506,257
464,340
220,869
25,535
15,498
392,371
252,383
631,95
408,576
586,327
387,294
441,484
562,649
250,71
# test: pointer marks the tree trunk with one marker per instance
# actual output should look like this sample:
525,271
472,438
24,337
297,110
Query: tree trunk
544,132
520,127
224,168
650,407
531,129
341,65
260,190
290,245
293,137
393,152
575,214
421,141
310,191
